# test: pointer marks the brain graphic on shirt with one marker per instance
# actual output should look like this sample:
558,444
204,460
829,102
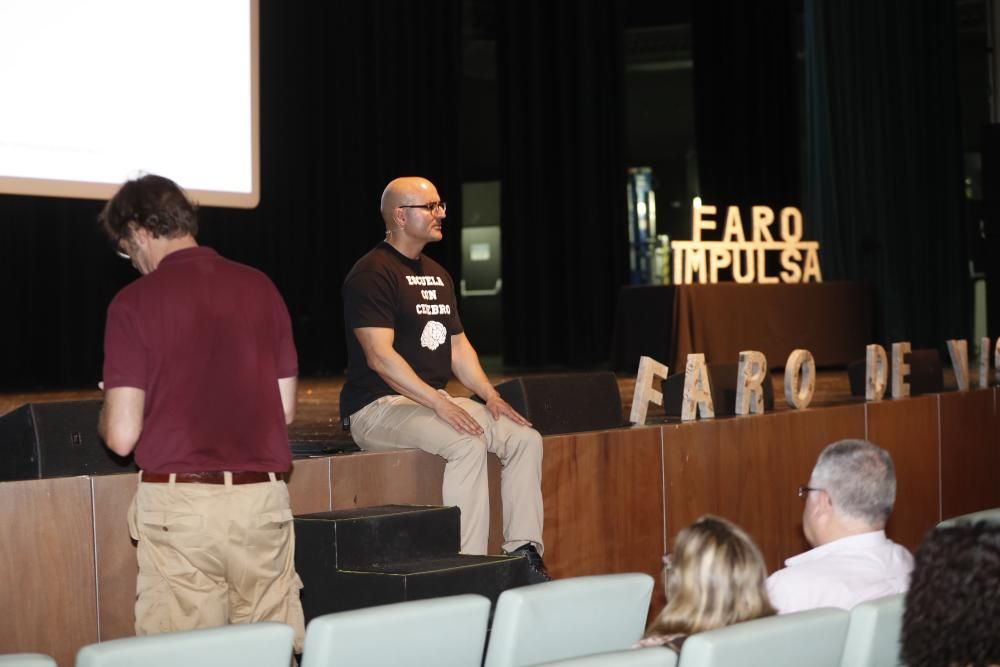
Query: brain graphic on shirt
433,336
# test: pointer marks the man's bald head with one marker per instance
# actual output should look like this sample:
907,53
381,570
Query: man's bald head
405,190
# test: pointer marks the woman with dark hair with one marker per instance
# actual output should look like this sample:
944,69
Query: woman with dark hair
714,578
952,616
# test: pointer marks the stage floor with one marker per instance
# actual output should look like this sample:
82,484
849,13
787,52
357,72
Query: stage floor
318,412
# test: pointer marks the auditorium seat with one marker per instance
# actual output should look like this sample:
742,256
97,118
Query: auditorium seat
444,632
243,645
568,618
990,515
26,660
873,633
814,638
654,656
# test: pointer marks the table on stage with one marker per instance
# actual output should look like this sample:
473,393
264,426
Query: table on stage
832,320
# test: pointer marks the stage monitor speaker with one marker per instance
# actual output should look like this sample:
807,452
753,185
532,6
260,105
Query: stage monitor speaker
566,403
723,379
56,439
926,375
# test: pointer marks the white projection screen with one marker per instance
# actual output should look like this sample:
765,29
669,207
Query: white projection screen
94,92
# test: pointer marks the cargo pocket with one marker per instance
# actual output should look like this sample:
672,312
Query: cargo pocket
152,607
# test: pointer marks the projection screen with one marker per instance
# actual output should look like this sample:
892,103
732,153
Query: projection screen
95,92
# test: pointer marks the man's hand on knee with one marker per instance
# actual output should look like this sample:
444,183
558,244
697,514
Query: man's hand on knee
497,406
456,417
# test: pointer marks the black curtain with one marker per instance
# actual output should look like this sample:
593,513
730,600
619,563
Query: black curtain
352,95
560,73
885,159
746,102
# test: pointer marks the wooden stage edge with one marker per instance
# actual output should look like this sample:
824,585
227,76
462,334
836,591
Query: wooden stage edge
613,499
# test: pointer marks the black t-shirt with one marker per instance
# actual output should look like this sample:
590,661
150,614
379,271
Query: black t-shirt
413,297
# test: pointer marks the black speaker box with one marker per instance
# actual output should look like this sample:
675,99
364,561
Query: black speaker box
926,375
567,402
55,440
723,380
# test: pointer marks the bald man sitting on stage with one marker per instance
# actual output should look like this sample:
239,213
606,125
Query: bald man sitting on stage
405,340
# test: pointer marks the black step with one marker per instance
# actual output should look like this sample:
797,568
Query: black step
341,590
360,538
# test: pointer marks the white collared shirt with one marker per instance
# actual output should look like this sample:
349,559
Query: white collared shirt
841,574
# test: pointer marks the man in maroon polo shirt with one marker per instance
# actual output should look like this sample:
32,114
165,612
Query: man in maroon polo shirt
199,379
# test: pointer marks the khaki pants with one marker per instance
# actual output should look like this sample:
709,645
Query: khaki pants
396,422
213,554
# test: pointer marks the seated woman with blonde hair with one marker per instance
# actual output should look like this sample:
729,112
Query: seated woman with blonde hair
715,577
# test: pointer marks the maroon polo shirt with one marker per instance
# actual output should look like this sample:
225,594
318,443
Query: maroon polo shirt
206,339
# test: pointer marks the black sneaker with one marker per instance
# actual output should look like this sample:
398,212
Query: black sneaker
536,566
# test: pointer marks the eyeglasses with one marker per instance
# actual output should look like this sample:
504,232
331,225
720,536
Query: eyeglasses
121,253
430,207
120,249
804,490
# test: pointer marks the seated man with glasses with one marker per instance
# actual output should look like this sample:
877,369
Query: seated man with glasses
847,502
405,341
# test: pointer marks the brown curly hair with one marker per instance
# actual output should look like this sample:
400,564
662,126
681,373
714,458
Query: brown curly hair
952,614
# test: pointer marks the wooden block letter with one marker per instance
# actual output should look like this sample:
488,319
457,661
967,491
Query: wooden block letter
811,270
749,383
900,369
697,390
734,226
644,392
746,257
876,372
800,378
718,258
762,276
700,222
958,350
791,224
694,263
763,218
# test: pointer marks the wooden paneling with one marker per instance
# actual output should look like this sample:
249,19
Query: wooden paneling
407,476
970,452
908,429
747,470
381,478
309,485
47,582
116,564
603,502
